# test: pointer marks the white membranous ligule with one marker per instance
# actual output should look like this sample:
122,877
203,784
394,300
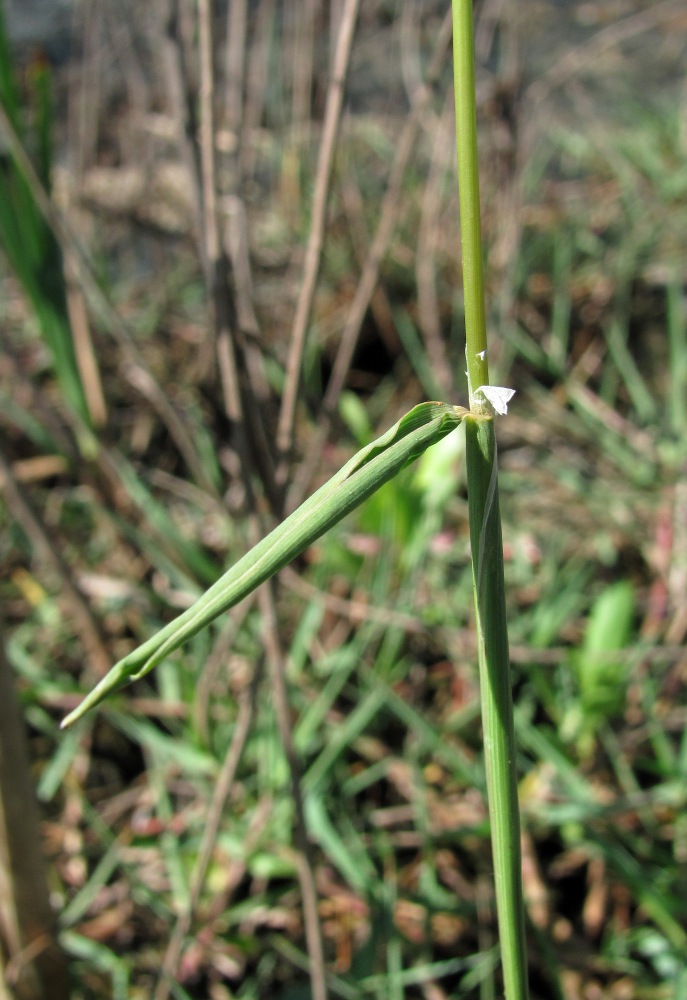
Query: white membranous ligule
498,396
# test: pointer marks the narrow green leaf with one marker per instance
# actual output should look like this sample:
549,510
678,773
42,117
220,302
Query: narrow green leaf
369,469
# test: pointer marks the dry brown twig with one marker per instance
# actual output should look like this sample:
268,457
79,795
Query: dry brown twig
83,342
173,74
239,370
236,240
237,27
32,964
378,248
257,70
313,252
303,67
389,212
222,320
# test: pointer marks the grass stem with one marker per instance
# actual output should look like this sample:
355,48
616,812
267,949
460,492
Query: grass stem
485,537
468,185
496,697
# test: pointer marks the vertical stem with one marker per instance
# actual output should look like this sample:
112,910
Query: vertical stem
485,537
468,190
496,697
31,959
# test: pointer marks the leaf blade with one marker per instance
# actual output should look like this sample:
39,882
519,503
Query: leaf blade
359,478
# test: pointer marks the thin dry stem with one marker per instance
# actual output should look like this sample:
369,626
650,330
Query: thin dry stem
239,397
313,253
84,96
387,222
236,238
180,107
221,320
256,82
120,40
237,26
303,62
32,964
370,275
83,342
237,246
207,135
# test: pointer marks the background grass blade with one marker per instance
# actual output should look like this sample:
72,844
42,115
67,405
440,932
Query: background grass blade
31,247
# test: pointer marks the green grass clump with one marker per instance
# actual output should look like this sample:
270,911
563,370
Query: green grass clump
25,235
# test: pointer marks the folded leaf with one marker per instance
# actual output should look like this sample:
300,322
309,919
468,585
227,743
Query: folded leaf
369,469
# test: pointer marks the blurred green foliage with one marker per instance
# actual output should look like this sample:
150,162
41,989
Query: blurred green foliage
26,237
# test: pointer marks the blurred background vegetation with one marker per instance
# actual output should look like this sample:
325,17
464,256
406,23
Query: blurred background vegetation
147,316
